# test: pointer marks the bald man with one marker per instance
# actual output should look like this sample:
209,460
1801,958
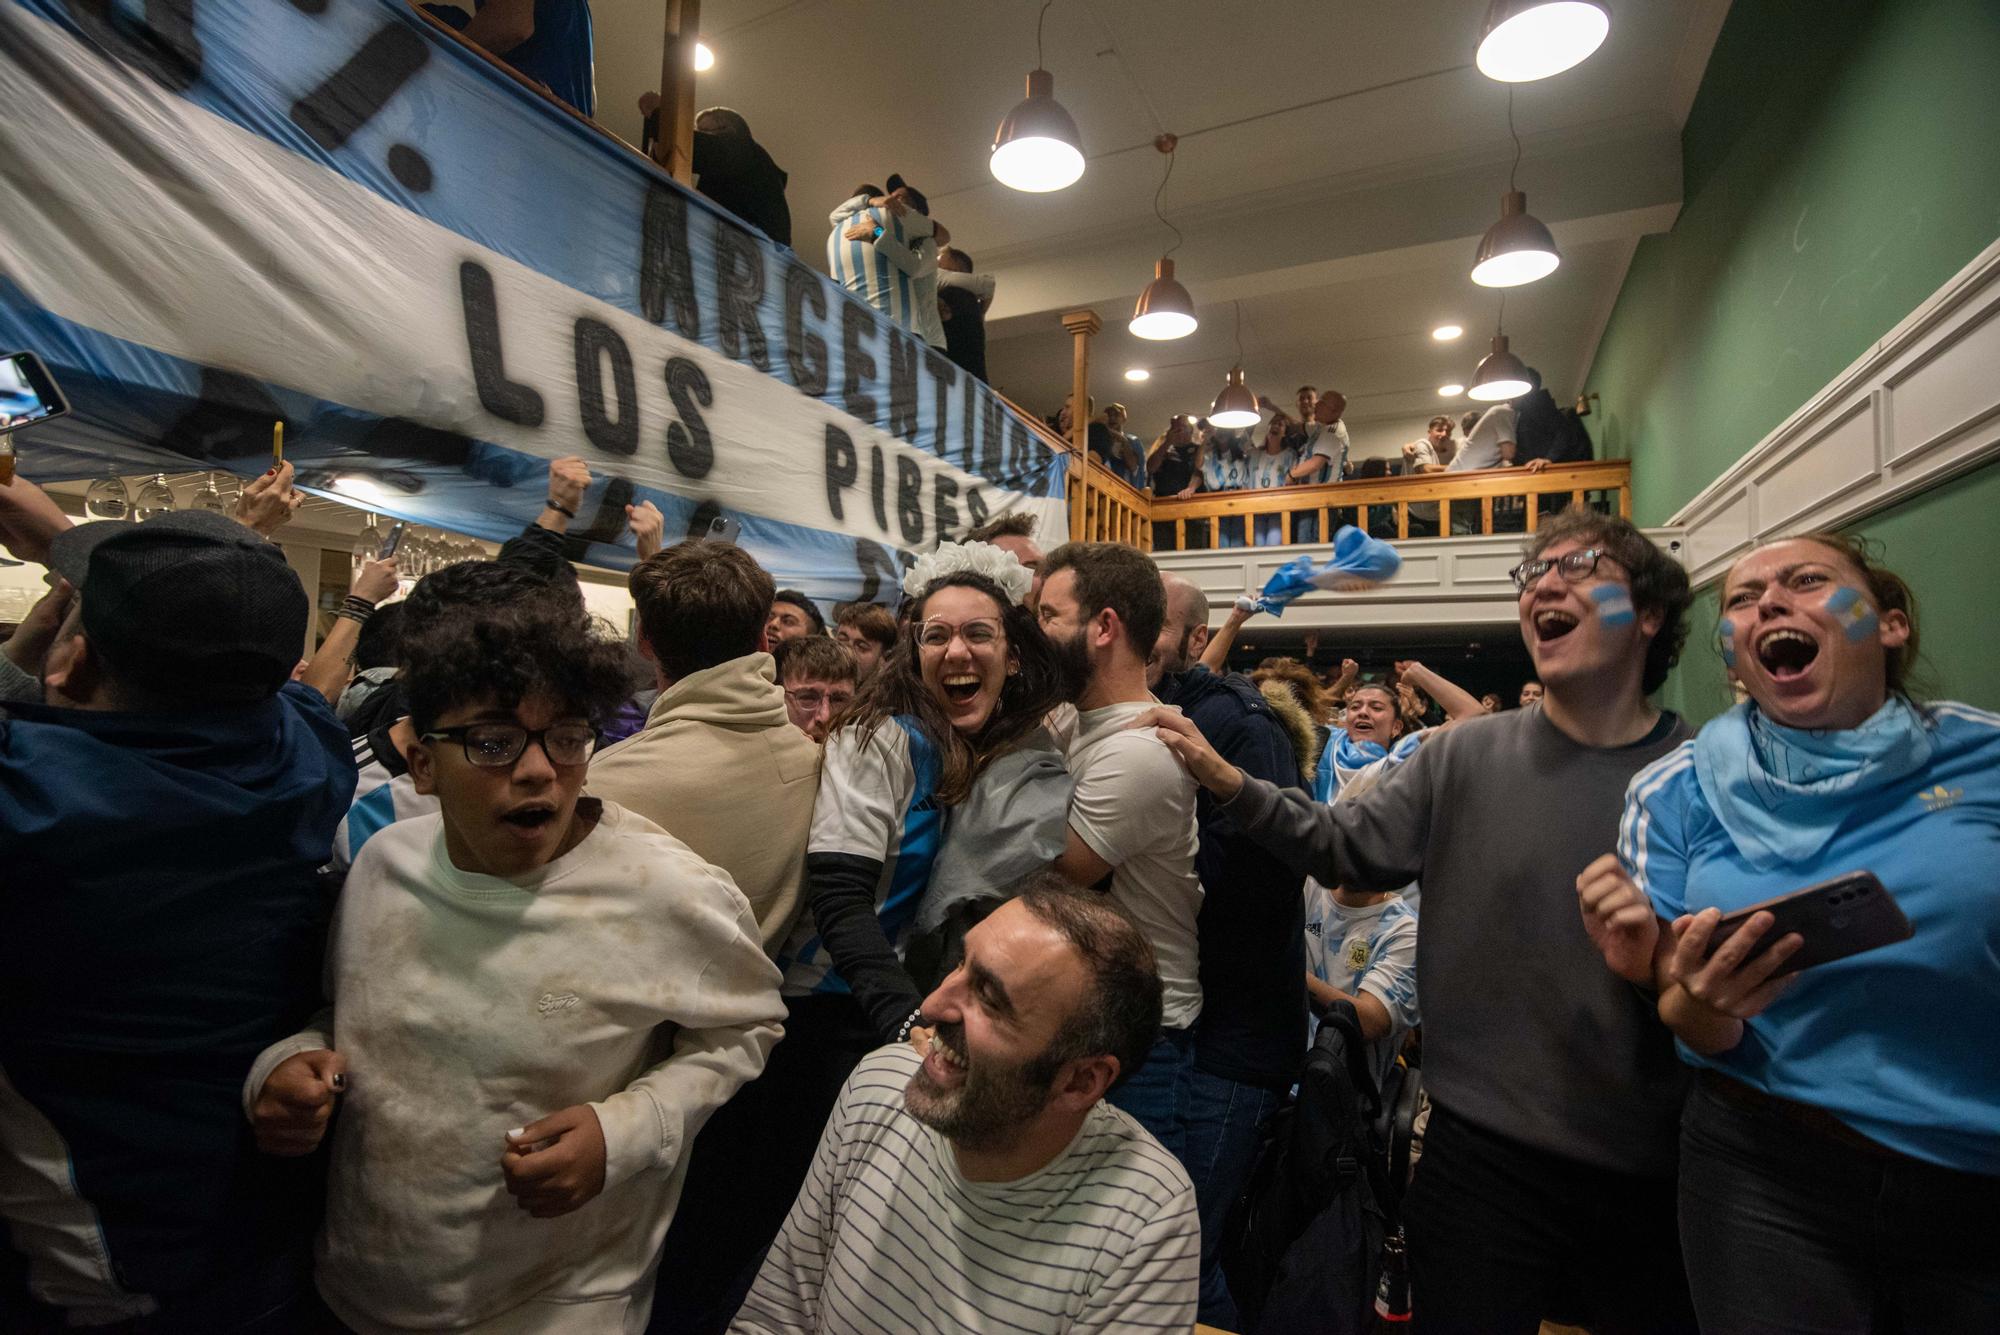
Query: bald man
1251,932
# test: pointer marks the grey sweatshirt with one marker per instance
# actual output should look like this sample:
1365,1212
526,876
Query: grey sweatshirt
1526,1032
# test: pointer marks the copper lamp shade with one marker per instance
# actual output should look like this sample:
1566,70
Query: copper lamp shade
1499,375
1165,309
1515,250
1037,148
1524,40
1235,406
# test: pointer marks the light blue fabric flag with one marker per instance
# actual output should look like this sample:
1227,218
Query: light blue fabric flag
1358,562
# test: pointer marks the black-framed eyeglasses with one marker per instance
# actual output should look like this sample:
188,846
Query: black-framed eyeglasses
1572,566
495,745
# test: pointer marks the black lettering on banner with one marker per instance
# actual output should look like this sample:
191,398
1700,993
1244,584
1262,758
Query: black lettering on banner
804,349
506,399
1021,450
605,522
352,94
739,288
595,341
903,387
165,46
975,508
857,367
943,507
943,375
875,487
992,425
875,565
666,270
910,498
689,446
843,466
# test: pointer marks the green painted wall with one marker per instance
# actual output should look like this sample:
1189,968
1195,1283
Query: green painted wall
1839,166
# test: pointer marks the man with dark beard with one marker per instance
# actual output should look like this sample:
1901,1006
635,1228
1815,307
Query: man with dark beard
987,1185
1251,933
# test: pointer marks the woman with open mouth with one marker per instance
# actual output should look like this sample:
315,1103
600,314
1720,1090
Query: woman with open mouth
1840,1155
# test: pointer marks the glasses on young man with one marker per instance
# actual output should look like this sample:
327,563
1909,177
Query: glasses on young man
978,632
496,745
1572,566
810,698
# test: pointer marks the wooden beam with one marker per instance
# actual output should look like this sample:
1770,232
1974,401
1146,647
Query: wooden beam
1081,325
673,148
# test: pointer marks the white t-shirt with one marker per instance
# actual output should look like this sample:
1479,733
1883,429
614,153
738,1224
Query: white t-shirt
888,1235
1372,950
1328,442
1422,454
1482,446
1134,806
626,975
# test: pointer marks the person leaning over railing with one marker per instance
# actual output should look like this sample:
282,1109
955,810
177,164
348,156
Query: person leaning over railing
1840,1156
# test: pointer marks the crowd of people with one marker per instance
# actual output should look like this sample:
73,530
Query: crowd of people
945,969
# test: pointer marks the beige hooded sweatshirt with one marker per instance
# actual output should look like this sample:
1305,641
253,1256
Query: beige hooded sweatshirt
721,768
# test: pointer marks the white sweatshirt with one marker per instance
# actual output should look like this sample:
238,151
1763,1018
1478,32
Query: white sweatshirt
626,974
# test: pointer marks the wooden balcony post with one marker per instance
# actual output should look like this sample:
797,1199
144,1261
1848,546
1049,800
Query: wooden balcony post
1081,325
674,146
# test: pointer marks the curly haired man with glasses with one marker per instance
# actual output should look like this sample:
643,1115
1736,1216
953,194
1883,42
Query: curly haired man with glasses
1546,1186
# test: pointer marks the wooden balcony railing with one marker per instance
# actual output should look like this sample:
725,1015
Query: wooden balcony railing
1381,506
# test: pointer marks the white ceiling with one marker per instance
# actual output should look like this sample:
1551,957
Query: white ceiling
1338,161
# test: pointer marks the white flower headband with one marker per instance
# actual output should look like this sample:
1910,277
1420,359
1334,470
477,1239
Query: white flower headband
981,558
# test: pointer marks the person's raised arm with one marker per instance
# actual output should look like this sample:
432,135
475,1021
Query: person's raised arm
269,500
29,519
648,527
569,478
1217,654
1455,700
1308,468
333,663
501,25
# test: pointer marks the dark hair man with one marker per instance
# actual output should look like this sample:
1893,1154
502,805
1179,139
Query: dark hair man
163,815
820,676
1554,1080
963,298
869,633
702,608
791,615
1132,815
1251,935
950,1191
730,167
1014,532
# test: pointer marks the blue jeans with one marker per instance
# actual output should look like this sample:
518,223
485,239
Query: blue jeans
1157,1094
1224,1120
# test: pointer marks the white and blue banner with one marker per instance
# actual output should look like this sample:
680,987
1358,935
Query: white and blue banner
221,213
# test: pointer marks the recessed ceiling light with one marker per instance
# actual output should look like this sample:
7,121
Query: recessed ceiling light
1444,333
704,59
1450,391
1138,373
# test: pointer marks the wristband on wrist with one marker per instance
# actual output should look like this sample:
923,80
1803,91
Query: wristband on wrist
560,508
356,609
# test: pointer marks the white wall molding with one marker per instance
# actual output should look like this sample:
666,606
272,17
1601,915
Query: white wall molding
1917,408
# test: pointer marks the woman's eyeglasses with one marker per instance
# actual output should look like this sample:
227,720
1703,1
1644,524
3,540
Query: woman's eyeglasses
977,633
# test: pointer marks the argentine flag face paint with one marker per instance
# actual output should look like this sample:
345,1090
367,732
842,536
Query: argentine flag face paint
1614,604
1852,612
1725,642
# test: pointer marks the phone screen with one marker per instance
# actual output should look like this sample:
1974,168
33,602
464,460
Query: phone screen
391,543
28,393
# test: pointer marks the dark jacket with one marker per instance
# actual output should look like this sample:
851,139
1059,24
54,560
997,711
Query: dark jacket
161,923
736,172
1252,923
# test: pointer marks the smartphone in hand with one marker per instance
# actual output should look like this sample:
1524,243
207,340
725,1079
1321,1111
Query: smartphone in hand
1838,918
392,542
724,529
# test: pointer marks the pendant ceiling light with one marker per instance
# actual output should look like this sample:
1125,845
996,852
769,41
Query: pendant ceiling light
1518,248
1235,406
1037,148
1525,40
1165,309
1500,374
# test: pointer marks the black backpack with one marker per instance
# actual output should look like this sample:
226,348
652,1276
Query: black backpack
1303,1247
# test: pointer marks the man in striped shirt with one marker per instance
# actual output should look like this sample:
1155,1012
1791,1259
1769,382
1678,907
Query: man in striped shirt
884,249
987,1185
